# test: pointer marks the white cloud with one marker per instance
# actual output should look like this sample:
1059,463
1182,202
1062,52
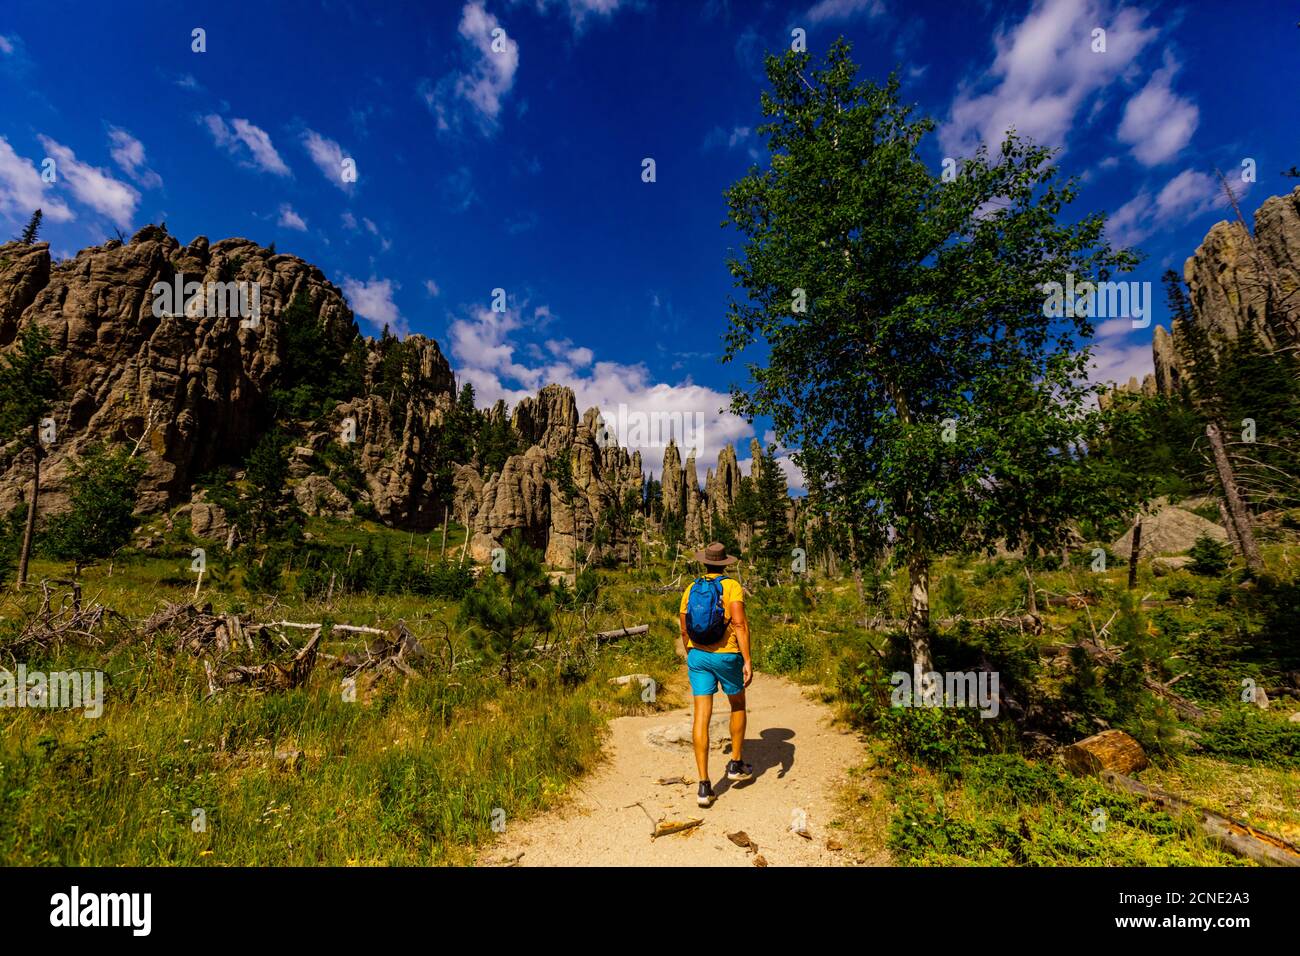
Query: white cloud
373,301
242,139
1044,72
486,82
290,219
128,153
6,45
349,220
22,190
1116,357
828,10
1157,122
93,186
579,11
793,473
484,347
1185,197
431,287
328,157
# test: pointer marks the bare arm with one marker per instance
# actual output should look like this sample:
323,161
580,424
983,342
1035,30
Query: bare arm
741,624
686,647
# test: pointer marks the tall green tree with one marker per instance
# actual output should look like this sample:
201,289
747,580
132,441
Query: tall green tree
771,501
508,610
27,392
101,517
911,360
32,229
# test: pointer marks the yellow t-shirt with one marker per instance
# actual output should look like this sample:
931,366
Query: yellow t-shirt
731,592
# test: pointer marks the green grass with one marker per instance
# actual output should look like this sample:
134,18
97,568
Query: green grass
412,772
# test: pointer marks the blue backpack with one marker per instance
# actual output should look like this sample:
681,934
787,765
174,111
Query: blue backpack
706,619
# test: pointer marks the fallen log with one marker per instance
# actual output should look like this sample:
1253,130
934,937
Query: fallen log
621,632
1233,835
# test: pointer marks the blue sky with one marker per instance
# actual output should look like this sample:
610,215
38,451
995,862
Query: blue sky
520,168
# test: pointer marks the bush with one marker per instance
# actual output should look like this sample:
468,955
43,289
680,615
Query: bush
1209,557
787,654
1247,733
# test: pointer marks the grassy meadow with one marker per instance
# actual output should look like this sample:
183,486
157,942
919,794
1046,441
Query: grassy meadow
412,771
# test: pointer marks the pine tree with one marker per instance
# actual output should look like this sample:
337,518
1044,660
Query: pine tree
507,611
32,228
771,503
27,389
101,517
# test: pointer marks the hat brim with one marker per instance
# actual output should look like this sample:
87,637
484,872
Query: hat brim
729,559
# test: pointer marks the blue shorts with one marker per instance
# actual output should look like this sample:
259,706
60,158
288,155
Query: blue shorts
707,671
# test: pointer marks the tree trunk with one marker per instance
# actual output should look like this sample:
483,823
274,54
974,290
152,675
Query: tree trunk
1236,506
918,619
1225,519
1134,553
442,556
30,531
1031,593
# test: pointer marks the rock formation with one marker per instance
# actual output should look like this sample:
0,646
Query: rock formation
1234,278
189,391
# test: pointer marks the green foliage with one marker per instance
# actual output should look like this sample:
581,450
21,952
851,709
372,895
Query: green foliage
317,370
1116,693
1011,812
1246,733
32,229
101,517
788,653
327,569
1209,557
507,611
923,310
27,386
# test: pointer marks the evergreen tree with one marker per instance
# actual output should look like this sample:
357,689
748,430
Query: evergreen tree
32,229
101,518
27,391
507,611
771,500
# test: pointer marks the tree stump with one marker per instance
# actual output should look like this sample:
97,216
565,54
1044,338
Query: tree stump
1108,750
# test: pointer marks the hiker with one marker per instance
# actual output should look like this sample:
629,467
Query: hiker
715,635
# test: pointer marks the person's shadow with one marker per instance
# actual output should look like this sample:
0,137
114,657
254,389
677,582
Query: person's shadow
772,748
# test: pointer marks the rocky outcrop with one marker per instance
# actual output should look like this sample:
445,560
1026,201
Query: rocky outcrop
1235,278
531,496
189,390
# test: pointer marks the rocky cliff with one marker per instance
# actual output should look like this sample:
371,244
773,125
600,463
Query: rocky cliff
1234,278
190,390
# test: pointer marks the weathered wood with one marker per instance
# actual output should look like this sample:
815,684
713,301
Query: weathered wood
1233,835
1135,553
1232,495
621,632
667,827
1109,750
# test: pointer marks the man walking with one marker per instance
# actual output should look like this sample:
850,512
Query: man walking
715,635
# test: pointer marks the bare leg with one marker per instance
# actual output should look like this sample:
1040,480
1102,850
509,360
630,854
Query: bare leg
737,702
700,733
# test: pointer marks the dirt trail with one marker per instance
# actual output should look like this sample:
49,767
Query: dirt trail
800,761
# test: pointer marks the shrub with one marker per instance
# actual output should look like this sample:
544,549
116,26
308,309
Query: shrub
1209,557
